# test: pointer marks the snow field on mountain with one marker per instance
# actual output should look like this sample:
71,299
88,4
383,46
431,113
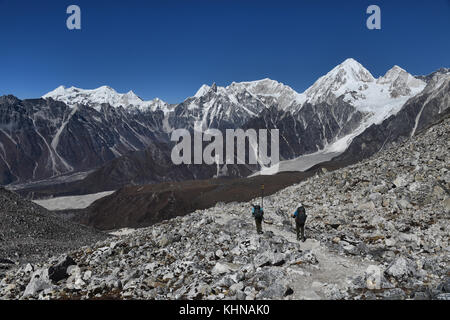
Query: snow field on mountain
71,202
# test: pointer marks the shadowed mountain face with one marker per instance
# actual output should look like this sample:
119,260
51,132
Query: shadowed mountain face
149,166
43,138
311,128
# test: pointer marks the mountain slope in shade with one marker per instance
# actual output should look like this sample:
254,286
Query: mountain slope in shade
42,138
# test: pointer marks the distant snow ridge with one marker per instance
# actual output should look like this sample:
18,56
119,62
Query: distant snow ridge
267,88
357,86
95,97
349,80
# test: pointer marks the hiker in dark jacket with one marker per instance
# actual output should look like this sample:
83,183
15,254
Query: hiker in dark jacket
300,219
258,214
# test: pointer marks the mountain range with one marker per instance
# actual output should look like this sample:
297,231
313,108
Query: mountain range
376,230
117,139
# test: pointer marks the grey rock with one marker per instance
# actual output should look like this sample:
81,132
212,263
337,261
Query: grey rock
401,268
443,296
275,291
444,286
394,294
39,281
421,296
28,268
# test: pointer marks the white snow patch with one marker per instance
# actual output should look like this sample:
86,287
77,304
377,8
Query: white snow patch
72,202
122,232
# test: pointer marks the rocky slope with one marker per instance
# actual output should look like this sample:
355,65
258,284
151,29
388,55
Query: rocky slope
376,230
28,232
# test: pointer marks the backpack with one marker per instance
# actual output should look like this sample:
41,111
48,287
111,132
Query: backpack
257,212
301,215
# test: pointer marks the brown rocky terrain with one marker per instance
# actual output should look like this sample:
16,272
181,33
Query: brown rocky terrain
142,206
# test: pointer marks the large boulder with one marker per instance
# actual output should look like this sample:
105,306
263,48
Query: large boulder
58,271
268,258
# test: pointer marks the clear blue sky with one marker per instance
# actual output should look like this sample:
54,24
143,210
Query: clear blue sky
168,49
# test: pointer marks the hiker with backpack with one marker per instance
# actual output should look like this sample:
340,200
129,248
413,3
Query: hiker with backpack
258,214
300,219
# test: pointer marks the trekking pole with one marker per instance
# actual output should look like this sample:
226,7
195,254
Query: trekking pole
262,196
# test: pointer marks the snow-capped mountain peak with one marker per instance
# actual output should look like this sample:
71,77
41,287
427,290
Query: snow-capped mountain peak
260,87
358,87
104,94
352,70
400,82
267,91
346,77
202,91
132,94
